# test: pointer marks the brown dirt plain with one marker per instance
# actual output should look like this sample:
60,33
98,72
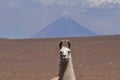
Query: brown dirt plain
94,58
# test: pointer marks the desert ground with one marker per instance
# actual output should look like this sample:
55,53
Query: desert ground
94,58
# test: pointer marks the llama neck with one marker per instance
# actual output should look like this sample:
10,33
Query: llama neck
66,70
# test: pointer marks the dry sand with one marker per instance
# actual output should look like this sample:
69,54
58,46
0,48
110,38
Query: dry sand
94,58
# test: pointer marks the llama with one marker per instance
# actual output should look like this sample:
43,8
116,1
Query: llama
66,71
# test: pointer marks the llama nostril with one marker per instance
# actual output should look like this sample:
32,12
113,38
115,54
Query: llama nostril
64,55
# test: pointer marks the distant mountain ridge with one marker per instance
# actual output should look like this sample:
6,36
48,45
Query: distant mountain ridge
64,27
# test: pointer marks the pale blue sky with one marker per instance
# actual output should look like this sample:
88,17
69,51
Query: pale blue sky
24,18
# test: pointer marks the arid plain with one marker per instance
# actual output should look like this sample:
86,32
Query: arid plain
94,58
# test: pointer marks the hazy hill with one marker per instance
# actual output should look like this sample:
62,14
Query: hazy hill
64,27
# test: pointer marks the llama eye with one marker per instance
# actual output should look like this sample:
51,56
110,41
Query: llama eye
68,51
61,52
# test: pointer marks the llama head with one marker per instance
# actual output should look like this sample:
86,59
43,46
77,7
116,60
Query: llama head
65,52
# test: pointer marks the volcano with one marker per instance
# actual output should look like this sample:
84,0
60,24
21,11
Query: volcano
64,27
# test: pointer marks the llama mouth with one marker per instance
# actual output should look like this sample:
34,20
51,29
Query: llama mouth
65,59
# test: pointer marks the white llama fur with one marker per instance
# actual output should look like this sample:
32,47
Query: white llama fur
66,71
69,73
55,78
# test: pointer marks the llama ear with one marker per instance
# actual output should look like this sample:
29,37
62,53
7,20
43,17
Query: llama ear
61,44
69,43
